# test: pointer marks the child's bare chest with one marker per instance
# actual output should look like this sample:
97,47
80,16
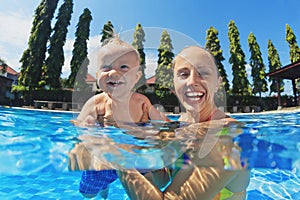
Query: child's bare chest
127,112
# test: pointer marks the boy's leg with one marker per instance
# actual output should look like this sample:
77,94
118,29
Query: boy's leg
92,182
104,193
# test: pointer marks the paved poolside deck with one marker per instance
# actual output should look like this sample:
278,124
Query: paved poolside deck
282,110
289,109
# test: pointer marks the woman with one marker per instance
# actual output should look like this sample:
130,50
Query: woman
196,81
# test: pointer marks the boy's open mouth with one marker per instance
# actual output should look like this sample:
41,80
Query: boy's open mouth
114,83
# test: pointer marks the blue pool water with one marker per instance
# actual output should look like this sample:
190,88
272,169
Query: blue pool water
34,163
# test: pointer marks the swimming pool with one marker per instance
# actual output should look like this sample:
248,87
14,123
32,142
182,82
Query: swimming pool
34,163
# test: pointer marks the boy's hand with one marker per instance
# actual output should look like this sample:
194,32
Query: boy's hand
145,115
79,158
88,121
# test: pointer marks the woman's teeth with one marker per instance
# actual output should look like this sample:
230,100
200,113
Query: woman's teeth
194,95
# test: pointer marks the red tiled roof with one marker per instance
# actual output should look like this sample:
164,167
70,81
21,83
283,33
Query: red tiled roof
90,78
151,80
10,70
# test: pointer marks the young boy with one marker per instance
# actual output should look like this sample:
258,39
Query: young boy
118,73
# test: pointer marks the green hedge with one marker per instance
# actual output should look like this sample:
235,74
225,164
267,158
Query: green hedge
266,103
27,98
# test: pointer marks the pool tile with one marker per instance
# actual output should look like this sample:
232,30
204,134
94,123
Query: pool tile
265,184
6,190
38,197
19,198
296,195
277,178
257,195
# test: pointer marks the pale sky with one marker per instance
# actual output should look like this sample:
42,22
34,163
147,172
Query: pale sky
187,19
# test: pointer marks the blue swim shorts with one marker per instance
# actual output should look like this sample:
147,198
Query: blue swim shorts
93,181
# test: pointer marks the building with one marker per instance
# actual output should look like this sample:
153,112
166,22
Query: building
91,81
290,72
8,77
150,84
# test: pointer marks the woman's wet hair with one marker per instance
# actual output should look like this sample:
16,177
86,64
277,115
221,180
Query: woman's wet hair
202,48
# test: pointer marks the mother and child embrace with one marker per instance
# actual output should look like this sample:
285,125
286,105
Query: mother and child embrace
196,80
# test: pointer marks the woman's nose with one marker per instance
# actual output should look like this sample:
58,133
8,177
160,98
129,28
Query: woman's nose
194,79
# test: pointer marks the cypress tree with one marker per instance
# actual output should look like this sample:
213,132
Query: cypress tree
138,39
274,64
240,83
23,79
2,61
4,66
79,61
164,72
33,57
292,41
258,70
213,44
107,33
55,60
294,55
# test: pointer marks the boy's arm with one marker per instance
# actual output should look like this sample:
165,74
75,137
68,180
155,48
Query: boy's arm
88,113
149,111
154,114
157,115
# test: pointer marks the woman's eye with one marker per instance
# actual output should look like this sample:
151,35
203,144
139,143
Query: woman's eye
183,74
203,73
124,67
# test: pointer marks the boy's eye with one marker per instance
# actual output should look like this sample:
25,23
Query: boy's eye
106,68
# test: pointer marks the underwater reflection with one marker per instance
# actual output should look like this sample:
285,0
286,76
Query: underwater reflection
155,145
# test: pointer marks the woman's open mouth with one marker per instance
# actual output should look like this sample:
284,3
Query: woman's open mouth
194,96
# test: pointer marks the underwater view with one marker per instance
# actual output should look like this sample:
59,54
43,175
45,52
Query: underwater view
37,160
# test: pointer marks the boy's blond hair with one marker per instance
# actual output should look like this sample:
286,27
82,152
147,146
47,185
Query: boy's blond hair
122,46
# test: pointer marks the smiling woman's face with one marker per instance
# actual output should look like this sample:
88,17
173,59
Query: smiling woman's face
195,78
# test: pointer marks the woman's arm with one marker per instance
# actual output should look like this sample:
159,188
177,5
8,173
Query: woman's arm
137,186
203,178
191,183
199,183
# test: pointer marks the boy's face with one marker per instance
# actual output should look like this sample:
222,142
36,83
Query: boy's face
195,79
118,72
